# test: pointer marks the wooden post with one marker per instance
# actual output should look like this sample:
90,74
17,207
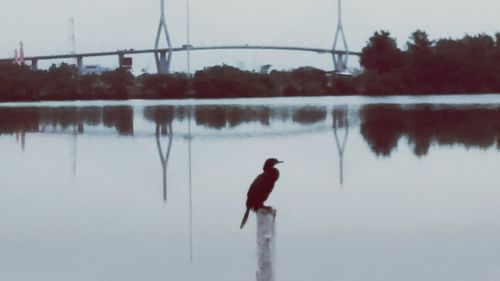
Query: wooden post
266,237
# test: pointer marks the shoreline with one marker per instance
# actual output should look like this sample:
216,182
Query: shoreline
479,98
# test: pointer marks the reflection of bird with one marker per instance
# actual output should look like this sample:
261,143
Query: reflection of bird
261,187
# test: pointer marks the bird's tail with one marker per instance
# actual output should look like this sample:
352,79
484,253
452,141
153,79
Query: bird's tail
245,218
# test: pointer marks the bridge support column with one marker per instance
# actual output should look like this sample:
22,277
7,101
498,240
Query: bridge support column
79,64
163,62
340,62
340,57
34,64
121,57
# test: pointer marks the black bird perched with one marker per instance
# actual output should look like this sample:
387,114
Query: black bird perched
261,188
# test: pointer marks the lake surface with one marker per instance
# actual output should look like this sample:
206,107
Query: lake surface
399,188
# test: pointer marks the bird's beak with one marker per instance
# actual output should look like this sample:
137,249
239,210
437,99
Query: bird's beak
281,162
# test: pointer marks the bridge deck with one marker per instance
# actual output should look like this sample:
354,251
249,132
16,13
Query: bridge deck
185,48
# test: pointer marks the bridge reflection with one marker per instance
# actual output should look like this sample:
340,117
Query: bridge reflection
381,126
340,121
163,118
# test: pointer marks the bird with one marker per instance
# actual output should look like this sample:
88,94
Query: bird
261,187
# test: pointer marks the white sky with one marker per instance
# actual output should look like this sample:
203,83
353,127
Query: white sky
104,25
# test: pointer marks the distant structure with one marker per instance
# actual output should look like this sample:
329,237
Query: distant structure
71,37
340,59
162,59
93,69
188,39
19,54
264,69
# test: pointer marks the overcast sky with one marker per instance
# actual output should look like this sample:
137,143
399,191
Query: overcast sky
104,25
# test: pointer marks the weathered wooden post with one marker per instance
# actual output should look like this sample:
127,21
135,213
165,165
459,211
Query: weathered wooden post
266,245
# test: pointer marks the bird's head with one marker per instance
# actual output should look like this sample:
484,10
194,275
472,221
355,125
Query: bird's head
269,164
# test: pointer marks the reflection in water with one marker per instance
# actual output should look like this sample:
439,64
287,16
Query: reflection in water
341,121
219,117
120,117
163,117
19,121
75,149
309,115
190,139
23,120
164,130
383,125
287,128
21,137
77,129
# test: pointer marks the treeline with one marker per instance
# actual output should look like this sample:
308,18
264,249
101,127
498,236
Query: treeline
20,83
446,66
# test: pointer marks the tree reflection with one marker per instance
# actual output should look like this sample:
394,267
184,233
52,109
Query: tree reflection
213,117
15,120
309,115
237,116
39,119
163,117
119,117
219,117
340,121
423,125
382,126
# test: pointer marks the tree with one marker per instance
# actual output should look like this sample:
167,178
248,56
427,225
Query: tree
419,43
420,62
310,81
227,81
478,65
165,85
118,81
18,82
87,85
381,53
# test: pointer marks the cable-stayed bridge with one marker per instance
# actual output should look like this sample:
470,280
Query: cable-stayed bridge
163,55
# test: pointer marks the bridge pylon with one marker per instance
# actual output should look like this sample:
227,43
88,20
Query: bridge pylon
163,58
340,57
341,121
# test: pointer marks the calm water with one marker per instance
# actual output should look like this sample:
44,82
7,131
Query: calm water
371,189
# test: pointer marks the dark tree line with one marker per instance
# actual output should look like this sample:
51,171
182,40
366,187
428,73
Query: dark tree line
445,66
20,83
